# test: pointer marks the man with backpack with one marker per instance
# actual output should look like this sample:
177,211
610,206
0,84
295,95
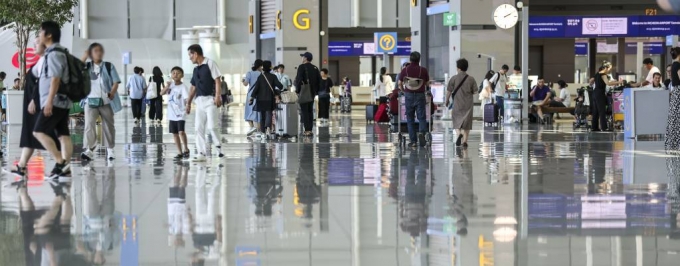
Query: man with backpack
499,83
55,81
412,80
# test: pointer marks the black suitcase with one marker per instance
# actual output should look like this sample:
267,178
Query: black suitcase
371,109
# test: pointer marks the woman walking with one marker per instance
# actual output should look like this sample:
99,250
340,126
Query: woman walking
266,94
486,95
136,87
156,105
461,88
249,81
384,84
325,96
102,102
28,142
673,128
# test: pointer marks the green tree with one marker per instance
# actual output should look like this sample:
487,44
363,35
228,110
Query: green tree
25,17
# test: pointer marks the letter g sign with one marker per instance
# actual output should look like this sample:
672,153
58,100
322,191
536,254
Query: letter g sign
301,23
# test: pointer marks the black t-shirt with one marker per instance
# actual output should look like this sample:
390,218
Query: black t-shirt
326,85
159,82
675,79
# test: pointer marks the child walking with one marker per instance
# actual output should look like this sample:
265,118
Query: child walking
177,100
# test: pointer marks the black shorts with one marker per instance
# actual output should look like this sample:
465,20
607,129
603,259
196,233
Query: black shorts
178,193
57,123
176,126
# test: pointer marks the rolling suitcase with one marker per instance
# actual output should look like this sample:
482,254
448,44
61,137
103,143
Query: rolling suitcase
490,114
287,120
371,110
345,104
381,116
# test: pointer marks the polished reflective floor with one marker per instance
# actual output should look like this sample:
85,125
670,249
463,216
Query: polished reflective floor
519,195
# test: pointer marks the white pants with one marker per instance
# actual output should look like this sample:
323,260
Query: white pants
206,118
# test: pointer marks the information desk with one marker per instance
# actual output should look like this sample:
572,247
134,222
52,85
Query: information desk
513,110
15,106
645,111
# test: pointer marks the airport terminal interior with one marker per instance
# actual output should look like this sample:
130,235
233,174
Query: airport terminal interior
536,183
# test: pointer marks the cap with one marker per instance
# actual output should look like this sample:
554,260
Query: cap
307,55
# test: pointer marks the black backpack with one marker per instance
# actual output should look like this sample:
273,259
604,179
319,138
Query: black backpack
78,85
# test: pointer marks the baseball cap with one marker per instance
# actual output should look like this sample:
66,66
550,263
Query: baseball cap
307,55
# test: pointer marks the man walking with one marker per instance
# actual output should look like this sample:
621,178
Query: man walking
206,92
499,84
307,73
412,80
55,106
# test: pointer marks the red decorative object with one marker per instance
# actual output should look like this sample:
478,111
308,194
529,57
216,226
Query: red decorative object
31,58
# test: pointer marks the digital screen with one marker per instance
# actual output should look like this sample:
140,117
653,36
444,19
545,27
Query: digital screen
631,48
588,27
437,90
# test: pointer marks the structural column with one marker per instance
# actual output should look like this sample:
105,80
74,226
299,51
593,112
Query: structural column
253,30
302,27
419,41
84,20
222,19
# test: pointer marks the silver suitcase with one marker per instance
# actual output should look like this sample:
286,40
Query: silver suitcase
287,120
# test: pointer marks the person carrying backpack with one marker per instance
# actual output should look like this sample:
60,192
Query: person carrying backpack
61,81
413,80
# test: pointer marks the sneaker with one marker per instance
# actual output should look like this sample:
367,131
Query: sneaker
87,155
199,158
137,121
219,151
251,131
257,135
159,122
111,154
59,170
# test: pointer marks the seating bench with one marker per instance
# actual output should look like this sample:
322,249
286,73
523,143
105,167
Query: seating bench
557,110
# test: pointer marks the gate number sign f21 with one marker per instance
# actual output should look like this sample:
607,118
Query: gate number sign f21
385,42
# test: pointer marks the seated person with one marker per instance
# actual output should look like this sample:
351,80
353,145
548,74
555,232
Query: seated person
543,96
656,83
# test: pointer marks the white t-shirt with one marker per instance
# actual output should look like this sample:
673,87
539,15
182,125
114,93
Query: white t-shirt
97,88
566,98
650,75
177,99
501,83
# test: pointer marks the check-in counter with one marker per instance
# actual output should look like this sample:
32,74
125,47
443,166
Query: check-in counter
645,111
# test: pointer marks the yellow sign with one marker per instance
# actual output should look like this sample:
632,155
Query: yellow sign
250,24
414,2
301,23
651,12
278,20
387,42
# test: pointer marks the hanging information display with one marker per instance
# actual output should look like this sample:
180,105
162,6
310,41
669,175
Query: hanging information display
590,27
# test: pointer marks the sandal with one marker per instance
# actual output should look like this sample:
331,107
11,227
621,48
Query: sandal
458,141
465,145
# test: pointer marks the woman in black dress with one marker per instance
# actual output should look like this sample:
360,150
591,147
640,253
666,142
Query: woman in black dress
28,142
156,105
600,97
265,94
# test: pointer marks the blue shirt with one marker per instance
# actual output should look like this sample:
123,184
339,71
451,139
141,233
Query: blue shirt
540,93
136,84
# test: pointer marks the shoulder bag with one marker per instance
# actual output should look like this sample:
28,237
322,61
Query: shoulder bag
306,90
455,91
412,83
151,92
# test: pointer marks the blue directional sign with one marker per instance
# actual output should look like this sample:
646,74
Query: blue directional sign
385,42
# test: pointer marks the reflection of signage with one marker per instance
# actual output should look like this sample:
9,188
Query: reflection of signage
251,28
31,58
588,27
301,23
278,20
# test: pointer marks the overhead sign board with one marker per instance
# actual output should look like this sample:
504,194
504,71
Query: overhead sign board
363,49
590,27
385,42
450,19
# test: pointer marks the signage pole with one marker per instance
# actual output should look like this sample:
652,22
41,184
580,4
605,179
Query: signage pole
525,58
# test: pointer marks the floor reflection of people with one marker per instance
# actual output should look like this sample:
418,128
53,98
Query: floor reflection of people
414,206
47,234
206,228
178,211
462,198
598,159
266,183
99,220
308,191
673,194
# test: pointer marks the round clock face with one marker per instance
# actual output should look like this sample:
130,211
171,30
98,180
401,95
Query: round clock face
505,16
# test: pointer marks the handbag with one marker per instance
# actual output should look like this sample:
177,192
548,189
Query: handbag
289,97
306,91
151,91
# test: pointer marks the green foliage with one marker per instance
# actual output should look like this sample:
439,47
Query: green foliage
26,16
30,13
